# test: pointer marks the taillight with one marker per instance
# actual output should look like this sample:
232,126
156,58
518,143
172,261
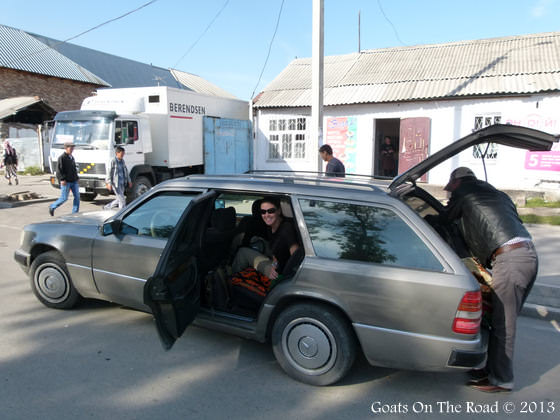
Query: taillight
469,312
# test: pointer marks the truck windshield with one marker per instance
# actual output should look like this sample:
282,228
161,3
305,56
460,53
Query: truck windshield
86,134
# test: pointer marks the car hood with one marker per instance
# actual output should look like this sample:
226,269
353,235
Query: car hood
508,135
94,218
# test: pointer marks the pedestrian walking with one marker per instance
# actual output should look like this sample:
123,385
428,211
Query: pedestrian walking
334,166
67,175
10,161
118,179
496,236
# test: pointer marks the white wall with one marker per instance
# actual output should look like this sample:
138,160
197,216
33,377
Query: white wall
450,120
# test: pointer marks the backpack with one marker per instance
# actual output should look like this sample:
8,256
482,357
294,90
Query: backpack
249,288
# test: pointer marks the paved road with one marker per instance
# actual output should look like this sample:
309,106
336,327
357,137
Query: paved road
103,361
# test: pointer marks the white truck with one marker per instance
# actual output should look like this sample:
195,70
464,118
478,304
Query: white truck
166,133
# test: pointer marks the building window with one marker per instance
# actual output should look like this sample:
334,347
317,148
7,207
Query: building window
490,150
274,148
288,140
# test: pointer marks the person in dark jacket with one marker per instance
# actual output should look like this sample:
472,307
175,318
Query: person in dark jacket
495,235
334,166
67,175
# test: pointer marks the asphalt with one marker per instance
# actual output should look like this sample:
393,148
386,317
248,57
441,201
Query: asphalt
543,301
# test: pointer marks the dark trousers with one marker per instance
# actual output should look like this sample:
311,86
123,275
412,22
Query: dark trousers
513,274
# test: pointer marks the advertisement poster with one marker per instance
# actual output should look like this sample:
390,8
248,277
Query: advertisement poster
341,136
540,161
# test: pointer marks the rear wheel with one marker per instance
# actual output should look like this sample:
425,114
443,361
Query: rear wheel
51,283
313,344
140,185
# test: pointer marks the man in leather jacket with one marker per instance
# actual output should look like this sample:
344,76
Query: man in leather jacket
491,227
67,175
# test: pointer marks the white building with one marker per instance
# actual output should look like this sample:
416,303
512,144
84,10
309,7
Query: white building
422,97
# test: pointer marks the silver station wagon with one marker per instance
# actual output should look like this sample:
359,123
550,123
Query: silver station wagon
373,271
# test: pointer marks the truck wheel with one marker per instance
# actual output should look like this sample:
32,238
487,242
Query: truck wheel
51,283
88,196
140,185
313,344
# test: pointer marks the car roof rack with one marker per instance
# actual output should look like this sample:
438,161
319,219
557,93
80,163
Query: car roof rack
306,177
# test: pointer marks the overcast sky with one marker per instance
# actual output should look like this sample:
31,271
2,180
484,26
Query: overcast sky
231,51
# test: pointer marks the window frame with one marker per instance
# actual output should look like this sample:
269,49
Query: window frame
310,250
287,135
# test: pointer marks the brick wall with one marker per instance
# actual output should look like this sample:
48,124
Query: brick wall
61,94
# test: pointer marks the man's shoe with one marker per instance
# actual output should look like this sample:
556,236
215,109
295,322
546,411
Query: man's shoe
486,386
478,381
51,211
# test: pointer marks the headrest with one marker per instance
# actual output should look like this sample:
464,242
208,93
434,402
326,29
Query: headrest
223,219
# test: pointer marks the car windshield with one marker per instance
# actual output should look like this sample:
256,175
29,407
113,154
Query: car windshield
86,134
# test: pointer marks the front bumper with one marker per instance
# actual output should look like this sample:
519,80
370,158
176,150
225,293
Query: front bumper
89,185
23,259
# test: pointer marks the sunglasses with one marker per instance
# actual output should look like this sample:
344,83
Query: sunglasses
271,210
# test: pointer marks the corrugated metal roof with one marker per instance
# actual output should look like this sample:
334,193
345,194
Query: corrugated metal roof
39,54
499,66
21,51
11,106
199,85
119,72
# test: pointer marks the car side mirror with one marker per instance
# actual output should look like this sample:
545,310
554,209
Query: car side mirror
112,227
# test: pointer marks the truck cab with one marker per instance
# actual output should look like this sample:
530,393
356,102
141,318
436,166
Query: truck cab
96,134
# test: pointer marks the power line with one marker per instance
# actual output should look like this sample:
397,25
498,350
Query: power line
391,23
269,48
202,34
82,33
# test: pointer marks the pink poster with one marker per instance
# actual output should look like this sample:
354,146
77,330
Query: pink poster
543,161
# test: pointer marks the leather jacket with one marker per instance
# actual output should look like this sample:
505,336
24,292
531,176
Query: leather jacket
66,168
486,217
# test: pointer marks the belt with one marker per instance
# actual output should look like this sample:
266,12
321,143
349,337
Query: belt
506,248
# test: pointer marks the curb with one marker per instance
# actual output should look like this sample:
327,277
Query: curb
544,313
10,204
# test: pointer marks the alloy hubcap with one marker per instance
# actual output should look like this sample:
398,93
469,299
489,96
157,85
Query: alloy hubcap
52,284
309,346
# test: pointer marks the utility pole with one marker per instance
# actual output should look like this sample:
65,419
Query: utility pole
359,33
317,84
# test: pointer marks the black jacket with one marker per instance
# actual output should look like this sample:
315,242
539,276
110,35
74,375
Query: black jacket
486,217
66,168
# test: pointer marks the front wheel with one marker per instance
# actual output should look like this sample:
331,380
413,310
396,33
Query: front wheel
51,283
88,196
313,343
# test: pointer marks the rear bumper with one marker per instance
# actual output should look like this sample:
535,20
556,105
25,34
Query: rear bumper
406,350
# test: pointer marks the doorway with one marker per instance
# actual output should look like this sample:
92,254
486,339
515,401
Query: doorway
386,152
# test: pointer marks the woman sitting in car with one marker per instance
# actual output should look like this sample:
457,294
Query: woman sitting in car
282,240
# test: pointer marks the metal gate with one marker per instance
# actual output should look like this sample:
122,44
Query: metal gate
227,146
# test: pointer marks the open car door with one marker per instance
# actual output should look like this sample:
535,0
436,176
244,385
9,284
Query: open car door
173,291
508,135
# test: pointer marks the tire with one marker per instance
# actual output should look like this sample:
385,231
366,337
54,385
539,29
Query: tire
330,344
51,282
88,196
140,185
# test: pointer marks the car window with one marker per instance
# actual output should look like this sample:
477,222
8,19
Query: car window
158,216
242,203
365,233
